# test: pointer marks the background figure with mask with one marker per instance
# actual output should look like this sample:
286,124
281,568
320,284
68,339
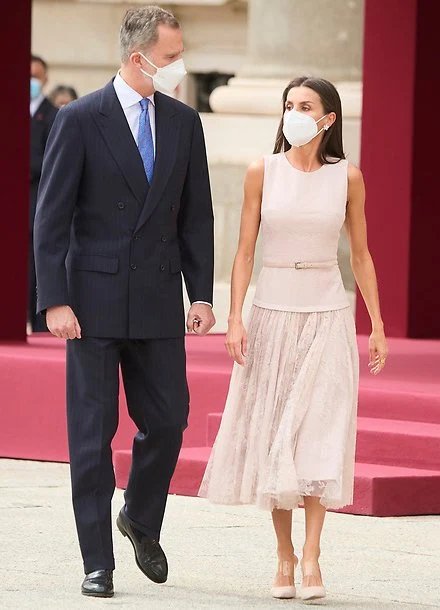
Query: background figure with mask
42,114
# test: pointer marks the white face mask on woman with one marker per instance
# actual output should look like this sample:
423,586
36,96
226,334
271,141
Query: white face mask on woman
167,78
300,128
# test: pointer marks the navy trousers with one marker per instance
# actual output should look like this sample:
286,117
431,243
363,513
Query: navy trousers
154,377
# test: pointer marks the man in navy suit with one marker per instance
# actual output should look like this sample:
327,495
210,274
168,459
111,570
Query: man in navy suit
124,207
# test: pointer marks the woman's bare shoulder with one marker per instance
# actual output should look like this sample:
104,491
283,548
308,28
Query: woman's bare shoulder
255,173
354,174
256,168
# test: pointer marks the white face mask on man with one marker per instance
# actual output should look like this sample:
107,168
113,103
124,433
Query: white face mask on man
300,128
167,78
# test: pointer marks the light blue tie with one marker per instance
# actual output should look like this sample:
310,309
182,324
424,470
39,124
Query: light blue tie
145,140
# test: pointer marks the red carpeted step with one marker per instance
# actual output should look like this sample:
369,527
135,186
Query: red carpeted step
189,471
410,405
385,441
208,393
380,490
398,443
398,409
373,403
390,491
212,426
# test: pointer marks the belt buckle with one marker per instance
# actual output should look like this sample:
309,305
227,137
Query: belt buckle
300,265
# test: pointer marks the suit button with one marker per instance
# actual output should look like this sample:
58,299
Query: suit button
163,239
133,267
162,267
135,237
120,205
173,208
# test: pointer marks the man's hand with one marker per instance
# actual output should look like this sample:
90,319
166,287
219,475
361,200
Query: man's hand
62,322
200,319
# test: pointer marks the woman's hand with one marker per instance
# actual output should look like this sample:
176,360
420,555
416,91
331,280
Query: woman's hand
378,351
236,342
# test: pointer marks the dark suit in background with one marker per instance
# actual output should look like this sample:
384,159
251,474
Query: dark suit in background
41,123
113,248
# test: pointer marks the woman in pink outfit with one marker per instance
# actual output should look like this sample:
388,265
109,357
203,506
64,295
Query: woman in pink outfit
288,431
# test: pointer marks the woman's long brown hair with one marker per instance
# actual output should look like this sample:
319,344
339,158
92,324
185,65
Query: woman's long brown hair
331,149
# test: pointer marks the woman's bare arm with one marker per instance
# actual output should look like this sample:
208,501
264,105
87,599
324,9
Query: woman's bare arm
362,264
244,258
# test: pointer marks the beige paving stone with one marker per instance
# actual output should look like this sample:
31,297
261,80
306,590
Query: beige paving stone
219,557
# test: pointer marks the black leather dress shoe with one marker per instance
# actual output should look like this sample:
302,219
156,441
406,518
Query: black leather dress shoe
150,558
98,584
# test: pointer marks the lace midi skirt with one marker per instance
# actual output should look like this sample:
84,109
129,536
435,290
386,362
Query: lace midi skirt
289,425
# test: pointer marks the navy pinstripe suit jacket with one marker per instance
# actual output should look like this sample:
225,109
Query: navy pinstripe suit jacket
109,244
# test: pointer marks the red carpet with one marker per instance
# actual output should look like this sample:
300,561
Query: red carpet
398,457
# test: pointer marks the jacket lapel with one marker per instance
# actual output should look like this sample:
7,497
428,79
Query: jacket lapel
167,137
116,133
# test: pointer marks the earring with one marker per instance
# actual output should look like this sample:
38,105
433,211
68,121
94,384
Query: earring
326,127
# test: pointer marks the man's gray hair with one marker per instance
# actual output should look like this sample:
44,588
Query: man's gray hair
139,28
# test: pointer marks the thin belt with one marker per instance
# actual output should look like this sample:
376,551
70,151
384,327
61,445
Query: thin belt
301,264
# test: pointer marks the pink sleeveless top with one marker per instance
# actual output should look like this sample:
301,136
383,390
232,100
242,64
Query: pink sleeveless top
302,214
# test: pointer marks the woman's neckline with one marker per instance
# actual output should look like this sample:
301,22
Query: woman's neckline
301,171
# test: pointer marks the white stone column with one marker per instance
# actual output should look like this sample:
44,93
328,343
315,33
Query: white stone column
289,38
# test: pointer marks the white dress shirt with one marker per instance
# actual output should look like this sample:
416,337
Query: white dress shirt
35,104
129,100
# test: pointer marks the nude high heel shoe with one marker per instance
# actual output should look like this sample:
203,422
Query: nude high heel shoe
311,568
286,568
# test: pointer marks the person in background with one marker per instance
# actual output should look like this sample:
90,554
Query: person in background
43,115
62,95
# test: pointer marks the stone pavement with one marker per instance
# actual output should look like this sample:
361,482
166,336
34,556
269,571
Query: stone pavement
219,557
